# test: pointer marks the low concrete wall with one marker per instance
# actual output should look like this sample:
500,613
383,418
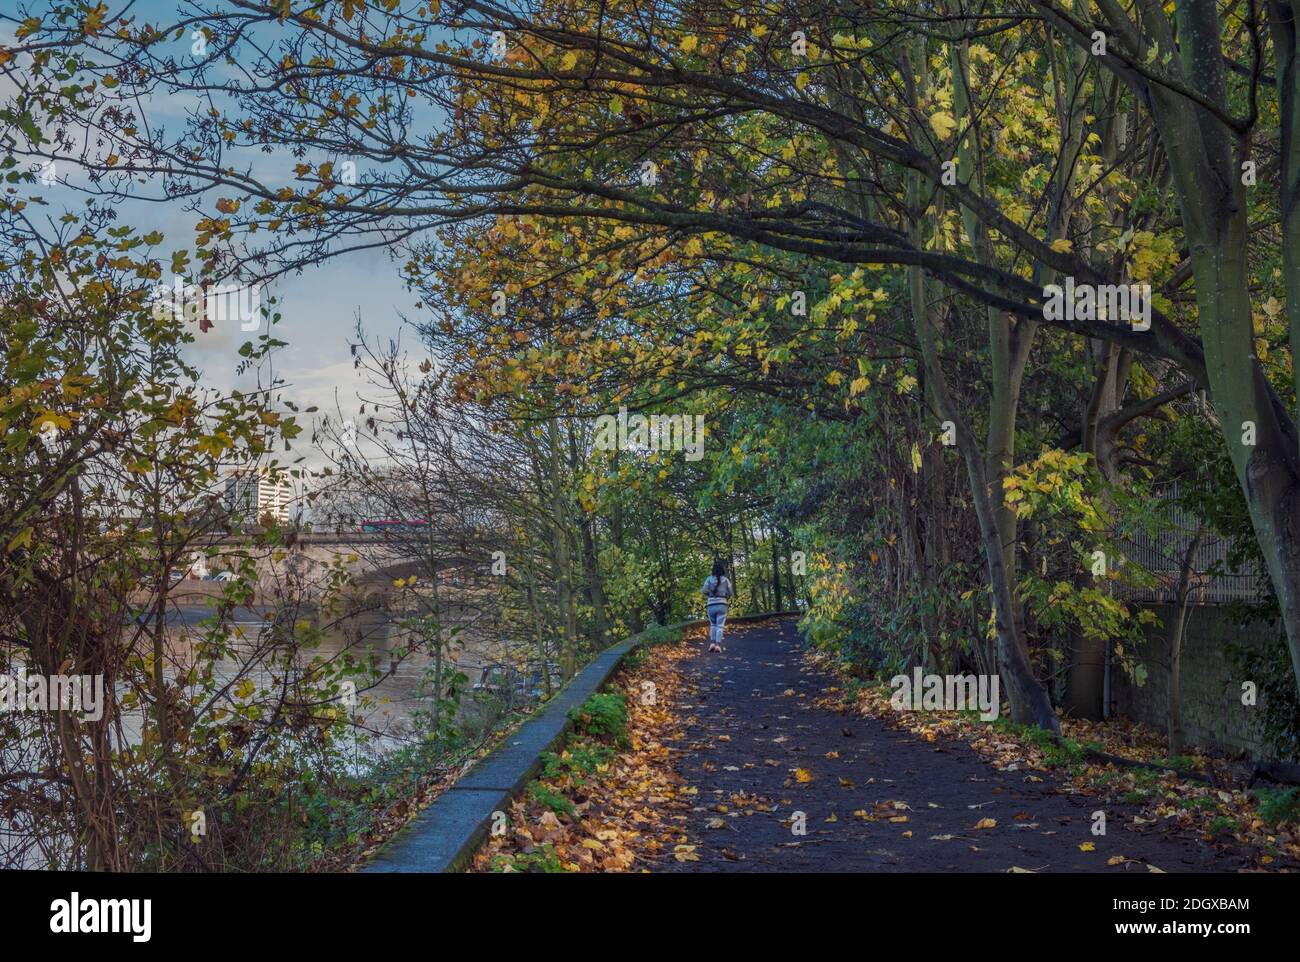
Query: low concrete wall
445,835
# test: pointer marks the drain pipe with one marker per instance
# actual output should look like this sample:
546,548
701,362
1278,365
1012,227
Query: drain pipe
1105,682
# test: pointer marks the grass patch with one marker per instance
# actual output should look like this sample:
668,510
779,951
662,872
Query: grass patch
1222,824
579,761
661,635
548,797
542,860
1279,805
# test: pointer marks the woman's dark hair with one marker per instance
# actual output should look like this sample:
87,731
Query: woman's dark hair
719,568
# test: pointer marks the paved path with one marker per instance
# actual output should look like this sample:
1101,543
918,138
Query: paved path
756,725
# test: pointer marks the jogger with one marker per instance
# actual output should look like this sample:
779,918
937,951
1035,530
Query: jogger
718,592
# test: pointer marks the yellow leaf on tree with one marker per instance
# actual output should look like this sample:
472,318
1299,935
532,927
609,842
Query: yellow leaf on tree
942,123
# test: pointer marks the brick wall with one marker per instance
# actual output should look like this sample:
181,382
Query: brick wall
1213,715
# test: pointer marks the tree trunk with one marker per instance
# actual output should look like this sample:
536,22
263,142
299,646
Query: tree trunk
1174,635
1030,703
776,570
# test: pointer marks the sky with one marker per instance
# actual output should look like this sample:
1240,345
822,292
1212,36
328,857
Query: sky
319,307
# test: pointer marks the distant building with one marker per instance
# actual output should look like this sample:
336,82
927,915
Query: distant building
254,493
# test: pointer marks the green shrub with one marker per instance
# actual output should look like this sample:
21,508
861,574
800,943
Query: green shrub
658,634
1277,716
1278,805
548,797
580,760
604,716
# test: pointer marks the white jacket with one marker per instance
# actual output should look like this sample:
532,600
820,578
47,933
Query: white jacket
718,591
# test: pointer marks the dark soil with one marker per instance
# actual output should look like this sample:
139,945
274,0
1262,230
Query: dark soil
754,724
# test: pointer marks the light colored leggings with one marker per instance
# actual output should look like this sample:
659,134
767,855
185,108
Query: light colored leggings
717,619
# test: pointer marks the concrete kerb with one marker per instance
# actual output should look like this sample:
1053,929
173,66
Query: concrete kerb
445,835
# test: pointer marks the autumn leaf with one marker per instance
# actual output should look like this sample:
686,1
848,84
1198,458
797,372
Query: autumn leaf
95,19
942,123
